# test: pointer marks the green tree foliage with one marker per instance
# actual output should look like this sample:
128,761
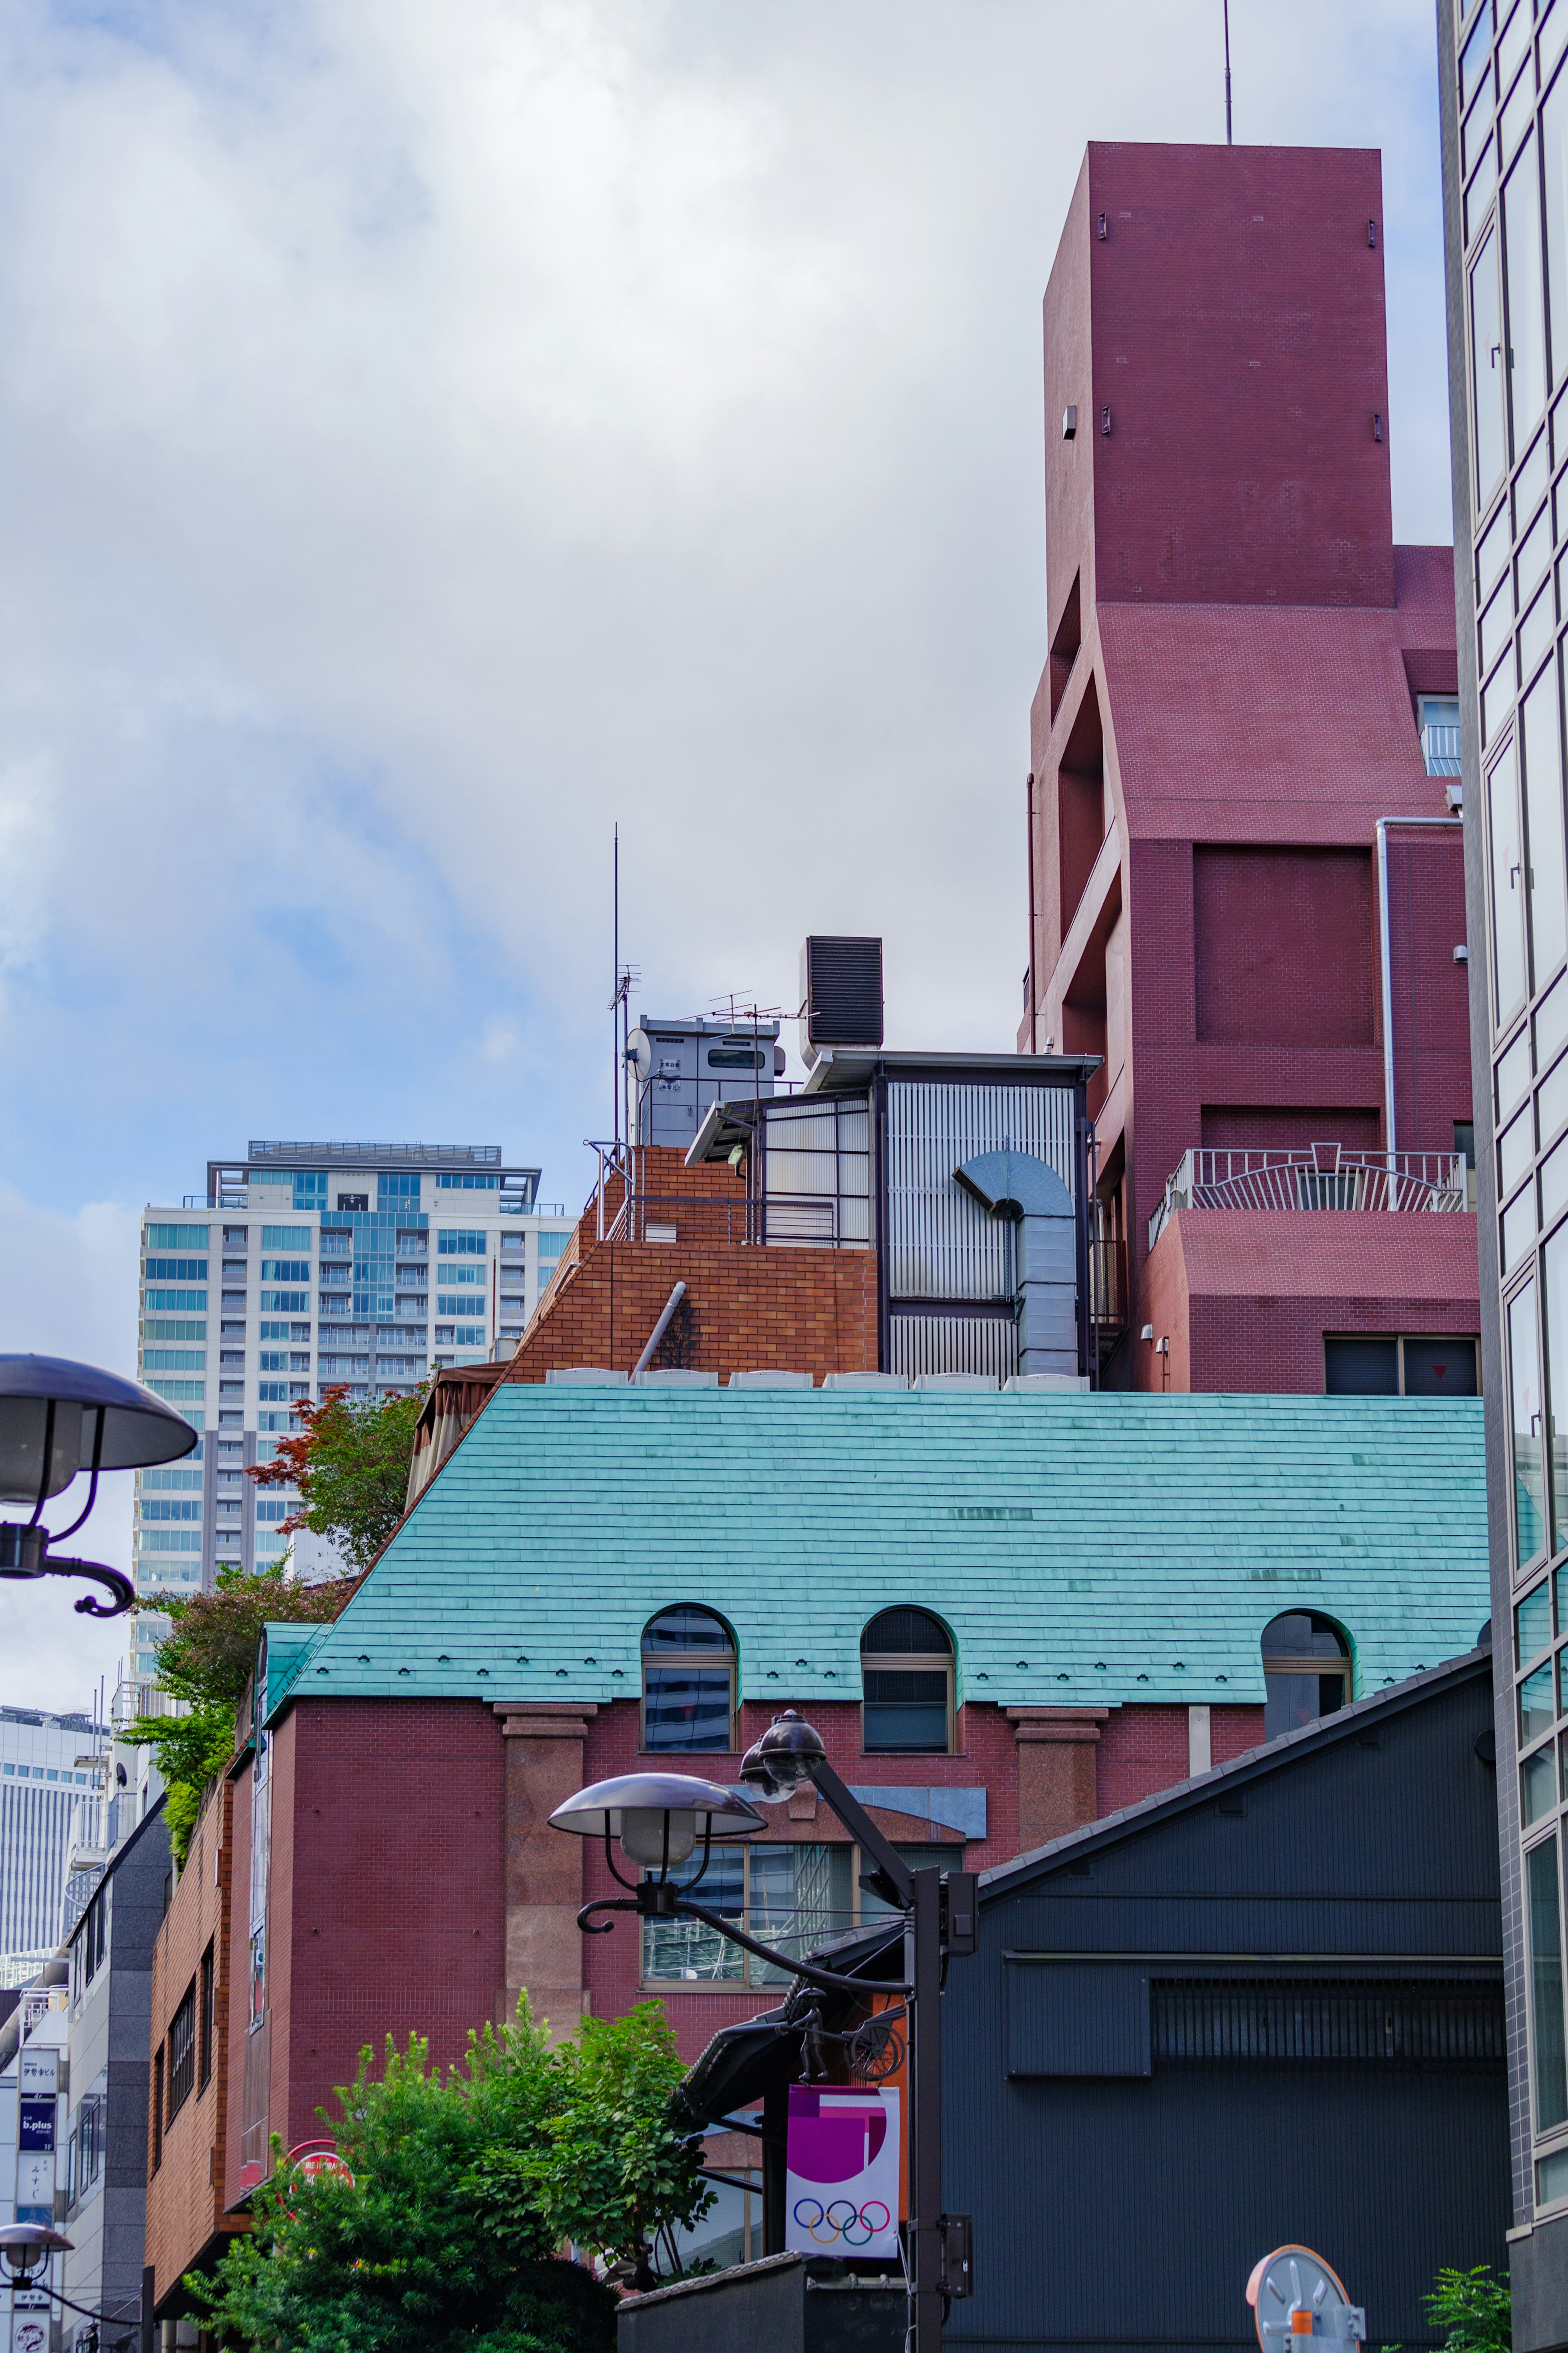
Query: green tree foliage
448,2240
606,2173
349,1468
1474,2308
207,1659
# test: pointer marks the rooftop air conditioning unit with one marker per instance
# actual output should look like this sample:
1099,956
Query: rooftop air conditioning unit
841,994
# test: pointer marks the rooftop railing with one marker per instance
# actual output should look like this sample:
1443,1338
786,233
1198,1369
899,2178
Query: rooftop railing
1315,1177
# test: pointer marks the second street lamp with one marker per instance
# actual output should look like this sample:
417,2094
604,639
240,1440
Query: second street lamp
658,1819
56,1419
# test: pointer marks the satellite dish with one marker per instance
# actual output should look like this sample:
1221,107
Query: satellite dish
1294,2294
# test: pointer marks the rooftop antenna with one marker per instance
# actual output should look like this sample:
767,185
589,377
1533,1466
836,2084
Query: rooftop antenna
615,960
1227,137
627,976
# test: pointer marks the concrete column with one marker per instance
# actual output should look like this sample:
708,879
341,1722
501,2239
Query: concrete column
1057,1790
544,1868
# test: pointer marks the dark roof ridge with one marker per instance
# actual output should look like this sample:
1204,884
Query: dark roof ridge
1252,1762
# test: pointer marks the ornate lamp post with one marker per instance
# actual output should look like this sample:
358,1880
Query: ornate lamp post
658,1818
56,1419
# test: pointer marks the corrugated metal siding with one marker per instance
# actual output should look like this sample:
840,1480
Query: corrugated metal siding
1076,2018
940,1243
953,1344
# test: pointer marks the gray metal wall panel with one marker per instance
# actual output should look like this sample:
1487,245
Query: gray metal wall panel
1076,2018
940,1243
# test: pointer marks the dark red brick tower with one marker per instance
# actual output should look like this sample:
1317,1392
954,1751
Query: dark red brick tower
1245,677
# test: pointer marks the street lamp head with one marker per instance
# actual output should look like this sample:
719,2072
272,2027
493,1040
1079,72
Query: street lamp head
658,1816
26,2247
785,1757
57,1418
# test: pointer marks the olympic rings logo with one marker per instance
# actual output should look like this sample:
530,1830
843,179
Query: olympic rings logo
856,2225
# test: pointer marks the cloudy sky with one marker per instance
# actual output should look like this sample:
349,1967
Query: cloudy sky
430,436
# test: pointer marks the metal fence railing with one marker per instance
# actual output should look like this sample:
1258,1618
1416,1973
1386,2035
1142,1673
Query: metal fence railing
1315,1177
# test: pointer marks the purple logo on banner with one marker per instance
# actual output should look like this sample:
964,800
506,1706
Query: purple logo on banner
842,2171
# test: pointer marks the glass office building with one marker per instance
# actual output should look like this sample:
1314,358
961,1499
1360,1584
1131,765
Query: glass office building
304,1266
1504,99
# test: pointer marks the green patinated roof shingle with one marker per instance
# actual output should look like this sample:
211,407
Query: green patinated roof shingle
1083,1549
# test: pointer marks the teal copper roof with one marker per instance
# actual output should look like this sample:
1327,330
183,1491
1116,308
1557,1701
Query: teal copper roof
1083,1549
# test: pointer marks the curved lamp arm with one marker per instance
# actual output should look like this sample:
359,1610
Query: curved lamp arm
112,1579
38,1563
591,1928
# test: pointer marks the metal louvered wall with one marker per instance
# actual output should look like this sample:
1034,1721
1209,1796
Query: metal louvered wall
934,1343
1238,2021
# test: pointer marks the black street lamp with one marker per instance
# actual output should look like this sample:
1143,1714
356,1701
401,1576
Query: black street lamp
25,2248
56,1419
658,1818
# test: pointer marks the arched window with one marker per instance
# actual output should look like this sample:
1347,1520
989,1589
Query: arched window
906,1678
688,1681
1306,1672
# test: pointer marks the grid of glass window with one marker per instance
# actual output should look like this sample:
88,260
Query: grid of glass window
790,1898
1511,83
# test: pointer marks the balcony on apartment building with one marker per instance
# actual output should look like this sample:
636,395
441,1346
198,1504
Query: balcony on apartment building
1314,1176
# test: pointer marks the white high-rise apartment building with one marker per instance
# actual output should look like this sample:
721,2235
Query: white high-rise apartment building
306,1266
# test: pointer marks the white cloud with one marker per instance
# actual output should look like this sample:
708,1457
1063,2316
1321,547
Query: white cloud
427,436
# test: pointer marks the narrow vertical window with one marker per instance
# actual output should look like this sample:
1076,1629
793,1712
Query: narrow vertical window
1524,1377
1547,2068
906,1679
1507,892
1306,1672
1486,363
1556,1382
1541,727
157,2108
206,2055
1555,178
689,1681
1526,300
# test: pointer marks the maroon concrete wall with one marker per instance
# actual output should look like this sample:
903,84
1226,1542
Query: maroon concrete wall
1252,646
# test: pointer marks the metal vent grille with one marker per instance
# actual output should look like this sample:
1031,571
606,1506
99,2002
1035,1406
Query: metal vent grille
1281,2023
843,991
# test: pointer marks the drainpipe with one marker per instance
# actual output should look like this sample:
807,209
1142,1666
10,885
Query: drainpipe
1034,976
660,1329
1385,965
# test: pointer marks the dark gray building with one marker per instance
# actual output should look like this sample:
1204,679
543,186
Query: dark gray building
1504,102
110,1953
1262,2007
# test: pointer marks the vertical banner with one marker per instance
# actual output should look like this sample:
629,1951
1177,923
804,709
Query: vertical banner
842,2190
39,2083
